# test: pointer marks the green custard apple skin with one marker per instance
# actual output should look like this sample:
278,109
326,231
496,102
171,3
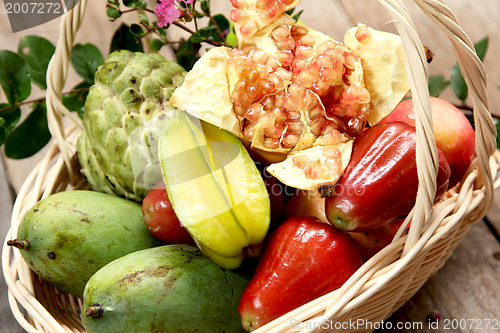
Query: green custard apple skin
171,288
72,234
124,114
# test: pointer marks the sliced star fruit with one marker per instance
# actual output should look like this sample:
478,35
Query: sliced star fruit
215,189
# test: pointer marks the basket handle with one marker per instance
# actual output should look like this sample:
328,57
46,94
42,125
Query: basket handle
56,77
474,74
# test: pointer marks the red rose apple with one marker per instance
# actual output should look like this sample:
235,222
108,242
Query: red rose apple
160,218
302,260
453,133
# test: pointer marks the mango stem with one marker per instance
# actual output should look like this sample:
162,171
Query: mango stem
21,245
95,311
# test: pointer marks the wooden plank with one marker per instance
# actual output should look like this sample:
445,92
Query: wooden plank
466,288
7,320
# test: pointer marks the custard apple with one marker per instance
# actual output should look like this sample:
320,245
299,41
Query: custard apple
124,114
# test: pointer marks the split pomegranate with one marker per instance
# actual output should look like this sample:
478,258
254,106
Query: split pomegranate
288,88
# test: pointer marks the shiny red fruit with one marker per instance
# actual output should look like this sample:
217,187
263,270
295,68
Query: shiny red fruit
380,182
453,133
302,260
160,218
372,241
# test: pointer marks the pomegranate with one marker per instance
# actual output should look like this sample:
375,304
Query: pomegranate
288,88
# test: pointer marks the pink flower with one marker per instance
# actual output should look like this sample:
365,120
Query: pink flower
168,11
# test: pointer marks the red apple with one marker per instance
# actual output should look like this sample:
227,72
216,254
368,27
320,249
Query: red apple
302,260
160,218
453,133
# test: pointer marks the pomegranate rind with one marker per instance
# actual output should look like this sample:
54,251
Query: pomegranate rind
205,93
290,174
384,71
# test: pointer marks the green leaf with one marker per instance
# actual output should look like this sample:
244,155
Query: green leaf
113,12
458,83
37,52
437,84
75,101
14,77
114,2
481,47
457,80
141,4
162,32
156,44
186,54
137,30
144,19
497,125
231,38
221,21
10,117
205,6
124,40
30,136
297,16
85,60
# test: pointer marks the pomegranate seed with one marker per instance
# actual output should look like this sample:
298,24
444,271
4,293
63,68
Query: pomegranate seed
279,100
235,15
239,4
298,31
297,91
275,10
350,60
335,110
306,78
362,34
286,44
316,112
310,100
285,57
249,131
304,52
284,74
274,132
293,115
292,102
267,102
280,115
294,127
317,126
271,143
281,33
290,140
266,120
253,112
298,65
240,111
328,75
324,61
248,29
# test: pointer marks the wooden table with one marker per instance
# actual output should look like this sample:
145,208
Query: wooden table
468,286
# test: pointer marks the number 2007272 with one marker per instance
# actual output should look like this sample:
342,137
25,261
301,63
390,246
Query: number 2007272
34,8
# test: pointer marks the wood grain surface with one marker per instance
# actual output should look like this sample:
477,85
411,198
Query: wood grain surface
468,286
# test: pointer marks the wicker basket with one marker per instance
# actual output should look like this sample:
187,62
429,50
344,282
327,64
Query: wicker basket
380,286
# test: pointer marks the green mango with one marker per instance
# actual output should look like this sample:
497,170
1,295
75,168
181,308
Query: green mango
171,288
68,236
